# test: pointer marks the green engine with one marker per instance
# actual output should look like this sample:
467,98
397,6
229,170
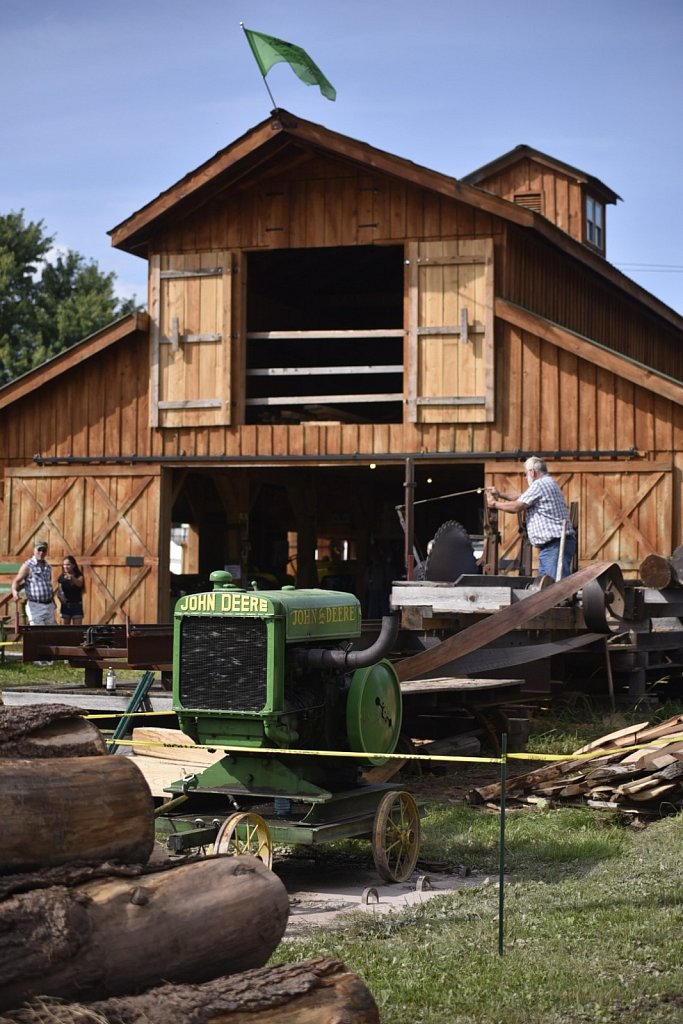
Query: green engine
262,670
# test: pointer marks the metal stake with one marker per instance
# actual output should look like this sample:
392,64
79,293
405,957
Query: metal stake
501,849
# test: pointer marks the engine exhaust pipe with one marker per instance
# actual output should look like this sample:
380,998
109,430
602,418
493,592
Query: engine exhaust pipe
324,658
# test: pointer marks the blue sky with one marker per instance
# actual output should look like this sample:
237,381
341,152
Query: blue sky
104,105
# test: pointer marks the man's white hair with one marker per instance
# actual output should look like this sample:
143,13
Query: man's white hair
538,465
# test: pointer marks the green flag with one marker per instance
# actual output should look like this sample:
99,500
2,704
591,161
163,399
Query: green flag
268,51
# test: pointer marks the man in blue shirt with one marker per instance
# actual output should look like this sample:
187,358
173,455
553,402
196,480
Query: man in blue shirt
546,516
35,576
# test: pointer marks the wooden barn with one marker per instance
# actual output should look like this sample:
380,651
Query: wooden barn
334,332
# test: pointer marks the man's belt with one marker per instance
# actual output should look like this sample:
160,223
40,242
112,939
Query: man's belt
553,540
40,600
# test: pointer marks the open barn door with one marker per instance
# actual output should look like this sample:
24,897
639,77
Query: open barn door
190,337
450,331
107,517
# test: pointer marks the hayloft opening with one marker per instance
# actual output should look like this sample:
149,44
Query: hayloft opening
325,335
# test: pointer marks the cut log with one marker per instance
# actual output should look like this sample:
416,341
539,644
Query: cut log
318,991
48,730
658,572
109,937
79,810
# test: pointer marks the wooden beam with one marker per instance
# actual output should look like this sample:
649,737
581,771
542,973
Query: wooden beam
592,351
394,332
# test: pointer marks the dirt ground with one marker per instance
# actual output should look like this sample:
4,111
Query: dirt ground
325,888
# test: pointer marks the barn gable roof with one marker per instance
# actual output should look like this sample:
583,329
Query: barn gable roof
82,350
258,147
283,131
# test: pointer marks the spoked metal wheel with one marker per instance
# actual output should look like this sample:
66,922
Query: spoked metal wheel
245,832
396,836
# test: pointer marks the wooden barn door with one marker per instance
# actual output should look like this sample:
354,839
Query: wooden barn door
450,331
190,336
625,509
107,517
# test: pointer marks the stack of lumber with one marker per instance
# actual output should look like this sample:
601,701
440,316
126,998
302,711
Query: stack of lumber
87,912
637,769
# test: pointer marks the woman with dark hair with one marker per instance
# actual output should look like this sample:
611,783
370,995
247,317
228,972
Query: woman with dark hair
70,592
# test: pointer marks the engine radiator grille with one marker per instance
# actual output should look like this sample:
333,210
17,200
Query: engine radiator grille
223,663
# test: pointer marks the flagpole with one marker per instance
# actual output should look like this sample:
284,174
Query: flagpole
272,98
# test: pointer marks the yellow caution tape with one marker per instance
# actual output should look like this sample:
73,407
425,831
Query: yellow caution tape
363,756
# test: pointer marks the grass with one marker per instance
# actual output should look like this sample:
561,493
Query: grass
14,672
593,909
593,928
593,914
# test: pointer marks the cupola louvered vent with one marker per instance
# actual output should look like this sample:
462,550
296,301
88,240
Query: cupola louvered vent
532,200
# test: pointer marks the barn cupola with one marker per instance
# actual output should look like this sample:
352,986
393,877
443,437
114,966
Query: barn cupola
570,198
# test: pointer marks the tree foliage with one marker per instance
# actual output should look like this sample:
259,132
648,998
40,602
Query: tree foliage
47,302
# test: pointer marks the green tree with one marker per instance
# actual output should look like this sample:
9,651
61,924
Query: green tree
47,305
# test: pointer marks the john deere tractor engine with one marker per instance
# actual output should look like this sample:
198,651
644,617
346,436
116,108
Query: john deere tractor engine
268,670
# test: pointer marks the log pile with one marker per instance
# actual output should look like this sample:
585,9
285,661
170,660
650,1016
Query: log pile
318,991
608,773
86,911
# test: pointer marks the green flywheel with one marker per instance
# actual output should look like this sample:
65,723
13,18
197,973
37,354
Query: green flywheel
373,710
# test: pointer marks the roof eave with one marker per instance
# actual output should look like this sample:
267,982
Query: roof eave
82,350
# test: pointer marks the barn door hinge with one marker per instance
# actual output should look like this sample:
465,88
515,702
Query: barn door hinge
464,332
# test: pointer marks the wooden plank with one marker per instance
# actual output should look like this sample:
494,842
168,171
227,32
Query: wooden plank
473,600
191,338
447,401
411,349
322,335
177,747
210,355
625,737
452,684
192,403
317,371
179,273
326,399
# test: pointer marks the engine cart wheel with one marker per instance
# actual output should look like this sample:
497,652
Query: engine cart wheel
396,836
245,832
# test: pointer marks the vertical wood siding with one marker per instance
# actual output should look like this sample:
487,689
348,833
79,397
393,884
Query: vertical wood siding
107,517
542,279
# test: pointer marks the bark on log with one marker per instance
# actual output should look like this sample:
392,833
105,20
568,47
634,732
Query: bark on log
657,571
317,991
48,730
190,924
677,565
75,811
